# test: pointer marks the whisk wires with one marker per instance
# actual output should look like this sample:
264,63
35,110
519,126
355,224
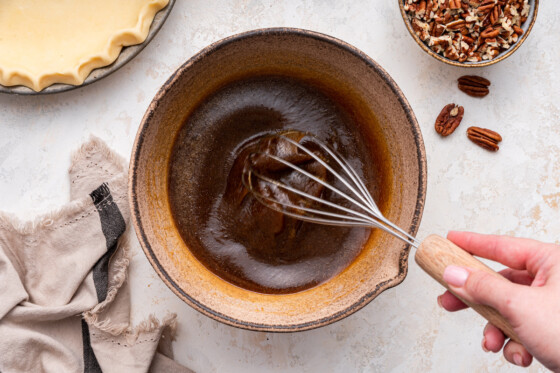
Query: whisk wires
369,214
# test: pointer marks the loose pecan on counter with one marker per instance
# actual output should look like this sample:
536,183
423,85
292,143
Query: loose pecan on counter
449,119
473,85
484,138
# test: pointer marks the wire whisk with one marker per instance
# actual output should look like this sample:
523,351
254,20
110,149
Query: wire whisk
316,208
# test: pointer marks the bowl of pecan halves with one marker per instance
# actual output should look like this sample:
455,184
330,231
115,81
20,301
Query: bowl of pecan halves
469,33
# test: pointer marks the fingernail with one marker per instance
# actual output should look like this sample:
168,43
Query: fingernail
456,276
439,302
484,345
518,360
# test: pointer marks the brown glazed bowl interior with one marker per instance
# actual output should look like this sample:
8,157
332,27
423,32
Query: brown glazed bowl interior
527,27
339,69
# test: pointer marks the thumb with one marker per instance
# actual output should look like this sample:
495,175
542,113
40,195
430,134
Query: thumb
481,287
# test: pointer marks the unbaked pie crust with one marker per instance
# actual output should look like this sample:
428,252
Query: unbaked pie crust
43,42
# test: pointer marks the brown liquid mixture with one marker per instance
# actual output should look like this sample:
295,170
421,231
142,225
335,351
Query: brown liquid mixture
226,229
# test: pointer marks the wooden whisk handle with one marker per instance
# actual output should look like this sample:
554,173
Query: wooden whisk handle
435,253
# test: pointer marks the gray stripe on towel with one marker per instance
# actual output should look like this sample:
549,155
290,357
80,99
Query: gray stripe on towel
112,226
91,365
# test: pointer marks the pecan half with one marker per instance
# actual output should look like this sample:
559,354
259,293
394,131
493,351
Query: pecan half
473,85
449,119
484,138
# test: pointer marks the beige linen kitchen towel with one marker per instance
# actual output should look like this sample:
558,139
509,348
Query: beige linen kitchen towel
64,296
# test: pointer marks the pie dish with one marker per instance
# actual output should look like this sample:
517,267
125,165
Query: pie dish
44,42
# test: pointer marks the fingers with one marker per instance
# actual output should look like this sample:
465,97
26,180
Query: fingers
450,302
513,252
484,288
514,352
493,339
517,354
520,277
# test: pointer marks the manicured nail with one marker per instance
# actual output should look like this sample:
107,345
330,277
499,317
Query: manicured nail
455,276
484,345
518,360
439,302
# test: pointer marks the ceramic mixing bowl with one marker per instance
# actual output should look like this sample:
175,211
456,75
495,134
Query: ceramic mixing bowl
339,69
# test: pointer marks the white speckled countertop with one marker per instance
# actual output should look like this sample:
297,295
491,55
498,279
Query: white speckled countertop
516,191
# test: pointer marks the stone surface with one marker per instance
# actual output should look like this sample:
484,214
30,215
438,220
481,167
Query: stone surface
515,191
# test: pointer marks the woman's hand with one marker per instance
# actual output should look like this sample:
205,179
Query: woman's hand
529,301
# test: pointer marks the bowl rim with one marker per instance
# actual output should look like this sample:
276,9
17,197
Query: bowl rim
412,229
500,57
